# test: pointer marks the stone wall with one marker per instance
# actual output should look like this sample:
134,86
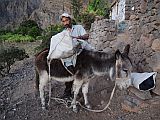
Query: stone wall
144,31
102,32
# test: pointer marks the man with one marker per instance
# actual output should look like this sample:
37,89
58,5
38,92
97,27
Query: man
79,36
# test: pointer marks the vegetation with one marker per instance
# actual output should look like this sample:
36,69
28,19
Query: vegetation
30,28
8,56
10,37
87,19
77,7
99,7
27,31
94,8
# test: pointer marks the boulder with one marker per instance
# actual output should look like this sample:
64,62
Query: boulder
156,45
157,88
143,6
147,39
154,61
144,95
132,17
133,104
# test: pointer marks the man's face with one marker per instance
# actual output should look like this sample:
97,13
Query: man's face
66,22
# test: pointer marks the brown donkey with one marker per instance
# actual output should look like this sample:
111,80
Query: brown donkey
89,63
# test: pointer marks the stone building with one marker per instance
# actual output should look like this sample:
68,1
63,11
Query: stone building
118,10
122,9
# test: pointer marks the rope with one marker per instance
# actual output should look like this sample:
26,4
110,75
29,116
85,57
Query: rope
66,102
49,80
107,106
91,110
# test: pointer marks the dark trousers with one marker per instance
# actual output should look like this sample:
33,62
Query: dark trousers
68,88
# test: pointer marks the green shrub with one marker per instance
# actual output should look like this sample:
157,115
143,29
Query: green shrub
8,56
76,7
3,32
9,37
30,28
34,32
87,19
94,8
99,7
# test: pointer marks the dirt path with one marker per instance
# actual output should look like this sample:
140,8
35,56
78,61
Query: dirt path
19,102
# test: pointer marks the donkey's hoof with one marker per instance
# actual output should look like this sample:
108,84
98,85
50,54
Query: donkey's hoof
75,110
43,107
48,103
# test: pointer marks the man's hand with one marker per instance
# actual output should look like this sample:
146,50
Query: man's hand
75,37
84,37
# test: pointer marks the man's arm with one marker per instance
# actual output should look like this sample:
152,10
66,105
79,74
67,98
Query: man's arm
83,37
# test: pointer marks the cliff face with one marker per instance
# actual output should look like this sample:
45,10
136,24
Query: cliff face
13,12
49,11
44,12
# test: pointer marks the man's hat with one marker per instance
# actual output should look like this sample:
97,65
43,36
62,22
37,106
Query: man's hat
65,15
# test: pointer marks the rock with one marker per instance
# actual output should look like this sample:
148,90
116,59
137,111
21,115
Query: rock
108,50
157,88
97,18
156,45
156,23
127,15
147,40
154,61
156,1
155,100
132,17
129,107
144,95
145,30
143,6
13,12
157,5
133,104
118,44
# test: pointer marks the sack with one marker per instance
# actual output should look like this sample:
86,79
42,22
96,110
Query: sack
144,81
61,46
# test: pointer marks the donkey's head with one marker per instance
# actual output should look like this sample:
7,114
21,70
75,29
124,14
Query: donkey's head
123,68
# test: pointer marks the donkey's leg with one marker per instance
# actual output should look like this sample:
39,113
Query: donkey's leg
43,81
49,92
85,94
76,86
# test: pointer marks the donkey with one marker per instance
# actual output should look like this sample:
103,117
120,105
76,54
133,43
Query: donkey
89,63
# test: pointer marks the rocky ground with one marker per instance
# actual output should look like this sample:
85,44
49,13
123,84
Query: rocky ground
18,100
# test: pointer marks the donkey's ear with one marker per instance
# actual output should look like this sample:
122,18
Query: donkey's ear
126,49
118,54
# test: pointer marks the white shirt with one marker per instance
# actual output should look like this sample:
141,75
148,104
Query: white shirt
77,30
